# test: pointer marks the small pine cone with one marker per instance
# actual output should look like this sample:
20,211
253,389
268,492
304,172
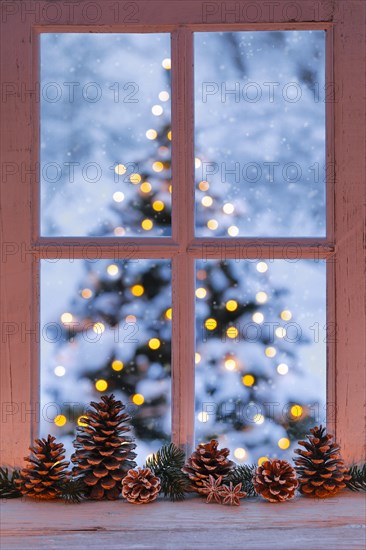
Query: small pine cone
320,468
140,486
207,460
46,472
275,480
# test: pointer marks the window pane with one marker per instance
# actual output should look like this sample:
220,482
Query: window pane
260,354
105,135
260,133
106,328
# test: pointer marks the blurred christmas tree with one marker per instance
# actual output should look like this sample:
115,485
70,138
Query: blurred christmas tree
117,330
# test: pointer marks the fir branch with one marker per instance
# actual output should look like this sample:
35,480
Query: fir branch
242,474
8,483
358,478
73,490
167,464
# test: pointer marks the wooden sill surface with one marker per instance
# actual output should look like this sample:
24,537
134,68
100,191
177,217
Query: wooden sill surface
337,523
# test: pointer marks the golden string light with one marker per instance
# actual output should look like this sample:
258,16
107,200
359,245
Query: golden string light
101,385
158,206
135,178
145,187
147,224
138,399
137,290
212,224
286,315
157,166
203,186
231,305
284,443
232,332
296,411
60,420
154,343
117,365
210,323
248,380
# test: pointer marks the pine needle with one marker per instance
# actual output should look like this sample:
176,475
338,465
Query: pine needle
73,490
242,474
8,485
358,478
167,464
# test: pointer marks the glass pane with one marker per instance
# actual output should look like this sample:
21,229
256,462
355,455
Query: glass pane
105,135
106,328
260,133
260,354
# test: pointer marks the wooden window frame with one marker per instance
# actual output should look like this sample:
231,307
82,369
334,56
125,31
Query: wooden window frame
23,248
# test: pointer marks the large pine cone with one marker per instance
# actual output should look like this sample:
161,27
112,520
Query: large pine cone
103,453
320,468
207,460
47,470
140,486
275,480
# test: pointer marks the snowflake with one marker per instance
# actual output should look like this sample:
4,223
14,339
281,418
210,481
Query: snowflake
212,488
232,495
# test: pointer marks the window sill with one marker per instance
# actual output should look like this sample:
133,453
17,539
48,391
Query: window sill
335,523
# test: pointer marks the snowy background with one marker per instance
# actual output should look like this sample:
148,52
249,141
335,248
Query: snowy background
105,156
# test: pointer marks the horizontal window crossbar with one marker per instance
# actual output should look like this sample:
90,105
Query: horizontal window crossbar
214,248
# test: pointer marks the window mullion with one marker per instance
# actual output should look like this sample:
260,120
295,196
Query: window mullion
183,344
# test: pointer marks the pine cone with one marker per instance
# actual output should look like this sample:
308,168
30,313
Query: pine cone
275,480
140,486
207,460
320,468
47,471
103,453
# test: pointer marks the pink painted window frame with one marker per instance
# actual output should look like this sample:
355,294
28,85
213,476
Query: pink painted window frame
23,247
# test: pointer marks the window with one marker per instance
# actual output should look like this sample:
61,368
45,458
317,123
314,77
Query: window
336,238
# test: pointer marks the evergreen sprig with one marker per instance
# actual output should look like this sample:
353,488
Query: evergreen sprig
242,474
167,464
73,490
8,483
358,478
